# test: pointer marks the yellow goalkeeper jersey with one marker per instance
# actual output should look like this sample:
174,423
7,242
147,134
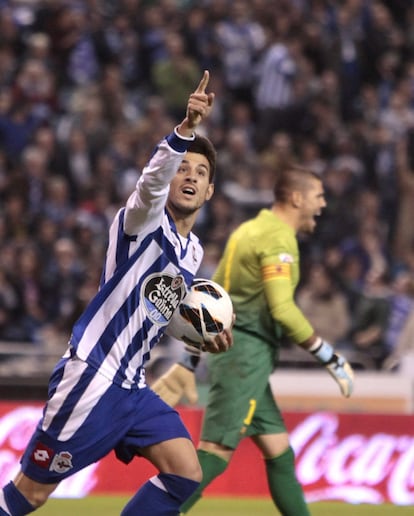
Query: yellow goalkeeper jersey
260,270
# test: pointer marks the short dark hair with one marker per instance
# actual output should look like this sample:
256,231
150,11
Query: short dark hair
292,177
202,145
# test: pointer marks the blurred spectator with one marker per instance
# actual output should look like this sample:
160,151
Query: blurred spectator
17,125
403,346
75,163
175,74
323,124
16,218
279,152
324,304
237,158
10,309
371,319
341,193
310,156
275,101
118,106
34,87
240,39
119,42
369,247
220,217
200,38
45,138
385,177
34,176
46,232
381,36
56,205
401,305
249,192
62,286
8,65
347,42
28,278
404,235
152,30
398,116
72,43
240,117
38,47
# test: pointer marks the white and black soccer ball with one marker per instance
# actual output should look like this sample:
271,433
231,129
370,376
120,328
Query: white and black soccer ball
204,312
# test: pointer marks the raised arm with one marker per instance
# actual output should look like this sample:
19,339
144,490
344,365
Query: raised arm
146,203
199,107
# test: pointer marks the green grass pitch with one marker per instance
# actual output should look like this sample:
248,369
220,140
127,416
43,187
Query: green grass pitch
112,506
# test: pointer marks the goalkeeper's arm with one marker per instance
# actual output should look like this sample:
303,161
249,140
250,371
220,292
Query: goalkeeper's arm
337,365
179,381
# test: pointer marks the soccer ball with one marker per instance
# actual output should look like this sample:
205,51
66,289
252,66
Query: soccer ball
205,311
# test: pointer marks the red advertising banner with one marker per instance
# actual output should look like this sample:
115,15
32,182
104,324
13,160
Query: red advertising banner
357,458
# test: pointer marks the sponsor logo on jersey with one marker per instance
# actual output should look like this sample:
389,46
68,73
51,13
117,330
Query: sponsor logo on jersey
276,271
161,294
42,455
62,462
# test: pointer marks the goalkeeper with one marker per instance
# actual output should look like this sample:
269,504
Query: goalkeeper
260,270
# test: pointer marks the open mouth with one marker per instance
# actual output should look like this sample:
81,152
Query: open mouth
188,190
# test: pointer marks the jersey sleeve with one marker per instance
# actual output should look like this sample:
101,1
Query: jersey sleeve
145,206
280,272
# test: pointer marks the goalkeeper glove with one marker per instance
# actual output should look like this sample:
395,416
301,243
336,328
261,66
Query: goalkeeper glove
176,383
337,365
179,380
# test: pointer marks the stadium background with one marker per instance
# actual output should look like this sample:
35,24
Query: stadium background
87,88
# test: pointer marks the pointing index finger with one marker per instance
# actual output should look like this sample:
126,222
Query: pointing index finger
201,88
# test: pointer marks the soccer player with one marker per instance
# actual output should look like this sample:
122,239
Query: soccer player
98,399
260,270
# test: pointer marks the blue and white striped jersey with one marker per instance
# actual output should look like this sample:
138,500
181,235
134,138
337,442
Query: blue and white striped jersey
147,270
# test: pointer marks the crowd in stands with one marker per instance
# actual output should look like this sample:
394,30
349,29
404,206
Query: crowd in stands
88,87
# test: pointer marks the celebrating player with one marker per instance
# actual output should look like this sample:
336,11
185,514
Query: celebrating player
98,398
260,270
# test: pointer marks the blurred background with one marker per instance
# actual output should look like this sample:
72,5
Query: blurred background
87,88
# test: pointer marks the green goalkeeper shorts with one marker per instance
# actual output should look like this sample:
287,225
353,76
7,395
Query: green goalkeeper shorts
240,402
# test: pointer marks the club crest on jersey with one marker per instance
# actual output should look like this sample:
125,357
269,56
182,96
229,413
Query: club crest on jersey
62,462
286,258
161,294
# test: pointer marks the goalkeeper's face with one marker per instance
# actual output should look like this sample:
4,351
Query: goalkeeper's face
313,201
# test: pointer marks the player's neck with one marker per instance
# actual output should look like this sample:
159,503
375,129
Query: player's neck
183,223
286,215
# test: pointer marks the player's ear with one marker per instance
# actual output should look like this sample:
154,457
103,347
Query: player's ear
296,198
210,191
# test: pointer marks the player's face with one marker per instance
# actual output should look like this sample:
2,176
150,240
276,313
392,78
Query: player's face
313,202
191,186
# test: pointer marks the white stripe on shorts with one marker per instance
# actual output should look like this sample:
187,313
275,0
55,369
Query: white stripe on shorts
157,483
94,391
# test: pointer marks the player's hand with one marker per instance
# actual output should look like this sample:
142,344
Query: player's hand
221,342
176,383
340,369
337,365
200,103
